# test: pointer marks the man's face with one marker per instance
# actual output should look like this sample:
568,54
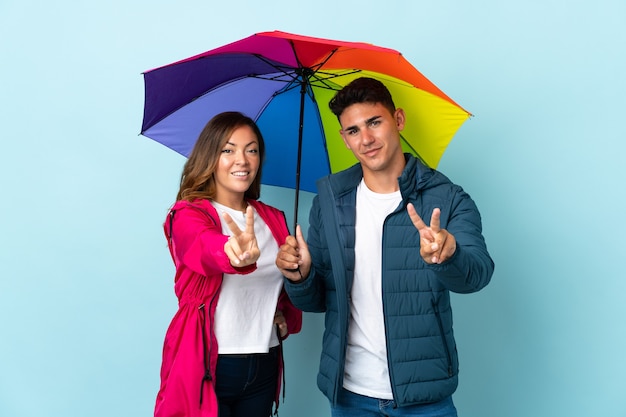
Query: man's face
372,133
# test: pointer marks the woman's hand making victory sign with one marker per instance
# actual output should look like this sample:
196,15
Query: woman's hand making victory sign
436,245
241,248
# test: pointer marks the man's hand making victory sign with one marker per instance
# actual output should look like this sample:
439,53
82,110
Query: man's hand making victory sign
436,245
242,248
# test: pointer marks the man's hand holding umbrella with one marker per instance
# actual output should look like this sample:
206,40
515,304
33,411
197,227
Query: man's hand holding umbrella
293,259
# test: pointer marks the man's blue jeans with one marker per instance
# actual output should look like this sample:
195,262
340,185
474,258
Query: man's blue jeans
245,385
350,404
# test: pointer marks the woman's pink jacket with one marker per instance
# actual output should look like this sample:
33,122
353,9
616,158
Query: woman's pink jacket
196,243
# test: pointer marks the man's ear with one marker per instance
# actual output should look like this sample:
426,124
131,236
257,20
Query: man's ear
400,117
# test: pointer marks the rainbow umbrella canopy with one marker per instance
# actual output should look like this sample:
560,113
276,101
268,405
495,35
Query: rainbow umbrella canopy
284,82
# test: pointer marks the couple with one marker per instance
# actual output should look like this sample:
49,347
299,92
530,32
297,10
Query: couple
388,239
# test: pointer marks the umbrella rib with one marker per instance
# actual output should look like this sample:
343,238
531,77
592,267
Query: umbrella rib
314,73
414,151
329,76
315,67
285,69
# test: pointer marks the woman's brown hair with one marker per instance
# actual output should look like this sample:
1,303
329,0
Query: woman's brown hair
197,180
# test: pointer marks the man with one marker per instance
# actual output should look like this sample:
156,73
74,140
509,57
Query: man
388,341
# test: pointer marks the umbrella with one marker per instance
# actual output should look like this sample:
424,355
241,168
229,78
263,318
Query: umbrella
284,82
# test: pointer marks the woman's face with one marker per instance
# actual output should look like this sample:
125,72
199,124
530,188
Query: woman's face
237,168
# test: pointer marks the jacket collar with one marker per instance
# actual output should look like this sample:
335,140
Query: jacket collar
415,176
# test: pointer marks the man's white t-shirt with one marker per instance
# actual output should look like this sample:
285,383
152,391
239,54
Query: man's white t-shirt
244,317
366,369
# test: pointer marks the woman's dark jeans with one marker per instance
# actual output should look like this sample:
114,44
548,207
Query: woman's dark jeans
245,385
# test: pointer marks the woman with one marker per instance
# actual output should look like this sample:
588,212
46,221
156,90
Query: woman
223,350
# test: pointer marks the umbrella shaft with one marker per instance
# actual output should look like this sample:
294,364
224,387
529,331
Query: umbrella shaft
299,158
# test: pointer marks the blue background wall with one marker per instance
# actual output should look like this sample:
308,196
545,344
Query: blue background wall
85,277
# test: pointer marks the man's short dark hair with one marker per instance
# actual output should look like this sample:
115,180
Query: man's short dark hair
361,90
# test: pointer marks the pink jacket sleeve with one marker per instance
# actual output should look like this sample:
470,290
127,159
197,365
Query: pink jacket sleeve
196,240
